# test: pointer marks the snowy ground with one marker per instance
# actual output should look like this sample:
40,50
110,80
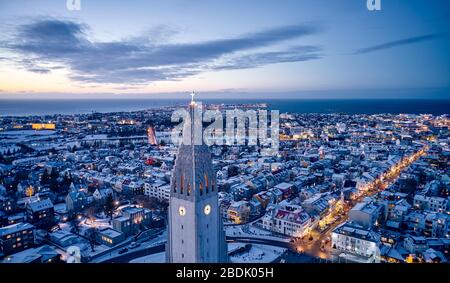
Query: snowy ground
161,239
27,133
251,231
101,223
85,224
60,206
257,254
154,258
11,148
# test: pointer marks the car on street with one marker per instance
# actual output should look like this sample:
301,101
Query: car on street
122,251
134,245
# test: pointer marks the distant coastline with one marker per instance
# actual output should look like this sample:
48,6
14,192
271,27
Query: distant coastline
346,106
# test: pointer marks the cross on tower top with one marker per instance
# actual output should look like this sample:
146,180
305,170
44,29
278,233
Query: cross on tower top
192,97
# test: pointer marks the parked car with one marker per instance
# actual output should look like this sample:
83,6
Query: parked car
122,251
134,245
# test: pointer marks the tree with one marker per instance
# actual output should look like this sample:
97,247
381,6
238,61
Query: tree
75,224
109,207
92,209
45,178
54,184
233,171
91,234
67,180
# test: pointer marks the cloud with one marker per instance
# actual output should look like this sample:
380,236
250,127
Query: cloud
52,42
391,44
297,54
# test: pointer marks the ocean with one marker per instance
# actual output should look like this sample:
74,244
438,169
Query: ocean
347,106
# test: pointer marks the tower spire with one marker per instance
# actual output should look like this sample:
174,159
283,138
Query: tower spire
195,228
192,97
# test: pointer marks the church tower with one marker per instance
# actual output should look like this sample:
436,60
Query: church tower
195,229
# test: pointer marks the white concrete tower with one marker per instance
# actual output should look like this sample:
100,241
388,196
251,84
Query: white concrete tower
195,229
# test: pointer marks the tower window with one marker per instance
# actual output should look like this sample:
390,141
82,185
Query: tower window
182,255
189,189
201,188
181,227
182,184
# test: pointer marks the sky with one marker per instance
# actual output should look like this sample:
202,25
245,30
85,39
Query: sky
251,48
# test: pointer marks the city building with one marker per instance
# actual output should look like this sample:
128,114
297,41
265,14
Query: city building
157,189
15,238
76,201
289,220
434,204
42,254
239,212
41,213
365,214
132,220
352,242
110,237
100,195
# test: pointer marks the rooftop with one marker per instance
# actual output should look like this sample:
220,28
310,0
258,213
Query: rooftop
15,228
40,205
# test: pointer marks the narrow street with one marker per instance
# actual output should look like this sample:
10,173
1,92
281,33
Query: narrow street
320,243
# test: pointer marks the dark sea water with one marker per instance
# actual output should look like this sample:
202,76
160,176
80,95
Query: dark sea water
348,106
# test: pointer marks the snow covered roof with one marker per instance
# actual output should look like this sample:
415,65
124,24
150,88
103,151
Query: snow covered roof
40,205
283,186
111,233
296,217
32,255
15,228
356,231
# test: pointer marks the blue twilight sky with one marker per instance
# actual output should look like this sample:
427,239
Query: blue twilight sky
223,48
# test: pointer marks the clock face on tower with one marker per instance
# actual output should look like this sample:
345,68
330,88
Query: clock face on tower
207,209
182,210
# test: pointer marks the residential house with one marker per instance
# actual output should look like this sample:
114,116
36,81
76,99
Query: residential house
158,189
354,243
41,213
76,201
100,195
42,254
239,212
132,220
289,220
365,214
110,237
415,244
15,238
